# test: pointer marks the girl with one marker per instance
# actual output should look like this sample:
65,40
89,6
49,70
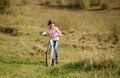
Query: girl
54,33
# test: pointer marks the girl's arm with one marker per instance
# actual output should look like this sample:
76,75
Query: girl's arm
58,32
45,32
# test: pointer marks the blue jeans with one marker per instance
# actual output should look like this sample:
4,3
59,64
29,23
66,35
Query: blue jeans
55,45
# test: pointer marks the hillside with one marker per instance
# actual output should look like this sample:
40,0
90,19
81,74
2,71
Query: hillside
89,47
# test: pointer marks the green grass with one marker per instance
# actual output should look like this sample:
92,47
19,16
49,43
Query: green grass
17,67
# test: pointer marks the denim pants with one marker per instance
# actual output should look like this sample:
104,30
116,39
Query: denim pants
55,45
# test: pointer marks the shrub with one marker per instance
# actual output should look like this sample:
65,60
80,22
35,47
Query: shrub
4,4
80,4
114,35
95,2
86,4
71,4
59,2
14,31
104,6
9,30
46,3
24,2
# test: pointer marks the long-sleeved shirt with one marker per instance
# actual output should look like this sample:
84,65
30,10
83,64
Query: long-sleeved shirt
54,33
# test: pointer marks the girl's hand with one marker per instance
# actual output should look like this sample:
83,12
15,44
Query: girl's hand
43,33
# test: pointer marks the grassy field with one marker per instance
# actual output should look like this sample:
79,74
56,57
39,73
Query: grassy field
86,49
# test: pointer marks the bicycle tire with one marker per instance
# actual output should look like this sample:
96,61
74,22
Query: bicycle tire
50,55
48,63
46,58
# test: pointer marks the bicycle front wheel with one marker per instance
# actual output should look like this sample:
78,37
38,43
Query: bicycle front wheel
49,57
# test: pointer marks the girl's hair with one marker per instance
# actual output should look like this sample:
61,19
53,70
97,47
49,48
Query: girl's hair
51,22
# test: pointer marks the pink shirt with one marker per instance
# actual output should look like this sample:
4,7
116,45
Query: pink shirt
54,33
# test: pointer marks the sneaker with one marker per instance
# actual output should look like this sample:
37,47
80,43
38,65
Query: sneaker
56,61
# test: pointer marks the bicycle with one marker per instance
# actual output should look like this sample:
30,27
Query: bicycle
50,54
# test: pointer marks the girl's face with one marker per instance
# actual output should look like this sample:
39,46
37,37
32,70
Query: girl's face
51,26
